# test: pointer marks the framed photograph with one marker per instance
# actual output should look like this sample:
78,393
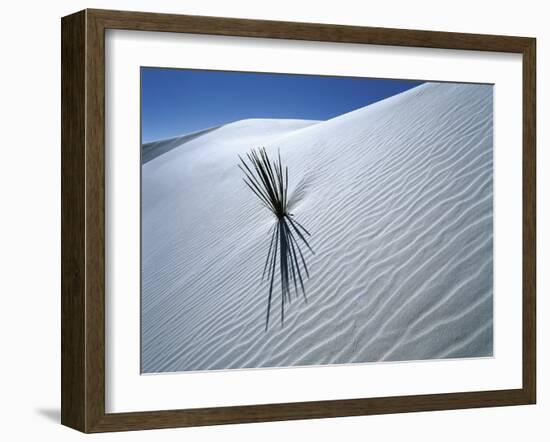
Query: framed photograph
269,220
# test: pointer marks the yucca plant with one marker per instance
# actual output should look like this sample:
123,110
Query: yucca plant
267,180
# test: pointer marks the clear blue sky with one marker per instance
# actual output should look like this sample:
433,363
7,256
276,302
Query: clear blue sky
180,101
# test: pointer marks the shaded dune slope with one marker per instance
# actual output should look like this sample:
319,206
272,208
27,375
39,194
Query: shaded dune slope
398,199
153,149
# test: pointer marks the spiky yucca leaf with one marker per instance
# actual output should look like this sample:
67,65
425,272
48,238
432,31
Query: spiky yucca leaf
269,182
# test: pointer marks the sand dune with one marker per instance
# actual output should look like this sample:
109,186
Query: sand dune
398,198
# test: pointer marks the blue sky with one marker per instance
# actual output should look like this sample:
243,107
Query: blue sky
180,101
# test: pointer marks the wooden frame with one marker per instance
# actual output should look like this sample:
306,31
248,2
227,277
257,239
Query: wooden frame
83,216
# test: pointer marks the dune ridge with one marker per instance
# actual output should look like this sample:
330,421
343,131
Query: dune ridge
398,197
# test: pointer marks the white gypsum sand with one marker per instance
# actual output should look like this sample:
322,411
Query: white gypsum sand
398,198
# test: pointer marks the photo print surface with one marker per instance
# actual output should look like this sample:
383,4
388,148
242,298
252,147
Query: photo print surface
300,220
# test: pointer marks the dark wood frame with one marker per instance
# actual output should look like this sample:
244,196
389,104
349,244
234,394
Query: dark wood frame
83,217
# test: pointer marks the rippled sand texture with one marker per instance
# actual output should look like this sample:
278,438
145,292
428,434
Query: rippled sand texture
398,197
